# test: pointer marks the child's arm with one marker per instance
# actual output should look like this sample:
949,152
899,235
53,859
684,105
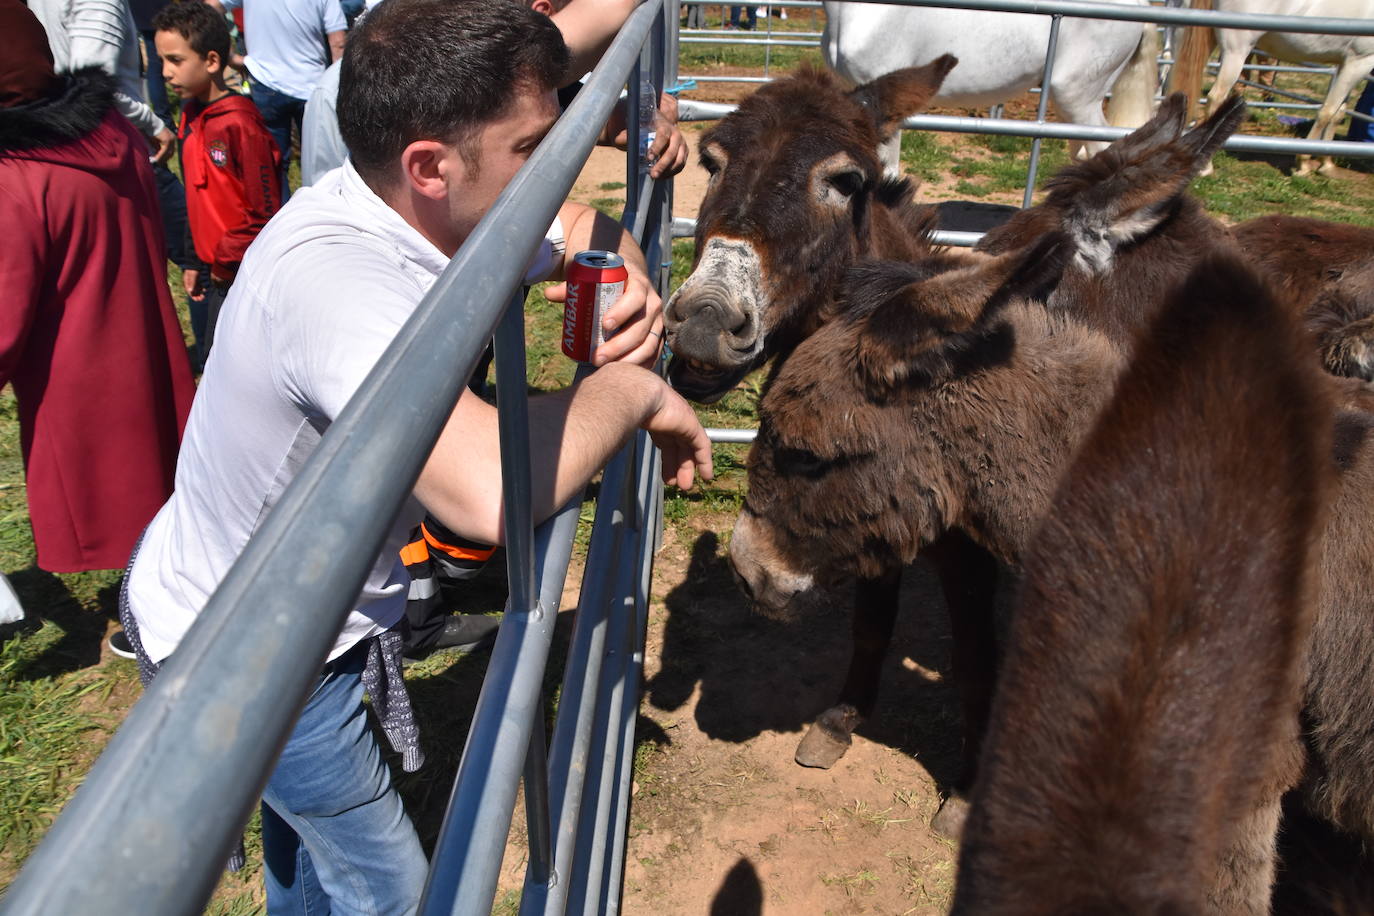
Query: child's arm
255,155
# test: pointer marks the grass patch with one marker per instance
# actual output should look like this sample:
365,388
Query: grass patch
923,154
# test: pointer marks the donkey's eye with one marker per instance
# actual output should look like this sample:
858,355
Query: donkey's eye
709,164
800,462
847,183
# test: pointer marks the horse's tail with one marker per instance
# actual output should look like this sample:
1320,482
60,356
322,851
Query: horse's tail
1133,93
1186,74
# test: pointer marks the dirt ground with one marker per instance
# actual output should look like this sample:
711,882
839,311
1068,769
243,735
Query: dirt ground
723,820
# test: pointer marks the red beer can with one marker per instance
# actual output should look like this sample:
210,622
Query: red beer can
595,280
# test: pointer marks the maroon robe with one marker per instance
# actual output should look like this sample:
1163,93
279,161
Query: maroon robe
88,334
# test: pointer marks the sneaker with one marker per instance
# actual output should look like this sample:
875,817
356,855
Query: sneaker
461,632
119,644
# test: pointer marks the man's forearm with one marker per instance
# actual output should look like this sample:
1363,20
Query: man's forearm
336,44
573,433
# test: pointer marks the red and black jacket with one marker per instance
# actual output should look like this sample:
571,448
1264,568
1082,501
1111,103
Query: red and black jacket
232,169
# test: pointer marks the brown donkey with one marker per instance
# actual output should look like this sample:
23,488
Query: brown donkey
1130,232
952,403
1146,718
795,197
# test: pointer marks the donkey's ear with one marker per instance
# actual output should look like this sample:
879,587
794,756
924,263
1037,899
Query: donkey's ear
1148,172
1205,139
1165,127
919,328
895,96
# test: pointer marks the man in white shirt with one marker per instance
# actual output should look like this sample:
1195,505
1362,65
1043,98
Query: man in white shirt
320,294
290,43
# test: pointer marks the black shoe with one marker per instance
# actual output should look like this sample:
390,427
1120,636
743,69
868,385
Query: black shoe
464,632
119,644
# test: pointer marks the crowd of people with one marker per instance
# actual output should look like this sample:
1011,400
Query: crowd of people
127,141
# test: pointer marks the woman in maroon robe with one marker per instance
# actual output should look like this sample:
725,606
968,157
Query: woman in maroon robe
88,334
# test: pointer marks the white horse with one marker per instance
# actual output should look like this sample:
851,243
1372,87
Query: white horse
1353,53
1000,56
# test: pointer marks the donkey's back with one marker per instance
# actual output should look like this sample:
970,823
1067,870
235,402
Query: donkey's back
1146,723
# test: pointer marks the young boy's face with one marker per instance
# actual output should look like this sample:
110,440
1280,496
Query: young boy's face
190,75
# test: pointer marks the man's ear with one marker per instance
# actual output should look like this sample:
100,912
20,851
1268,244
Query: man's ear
213,62
543,6
427,168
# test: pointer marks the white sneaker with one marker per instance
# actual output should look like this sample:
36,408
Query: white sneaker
11,611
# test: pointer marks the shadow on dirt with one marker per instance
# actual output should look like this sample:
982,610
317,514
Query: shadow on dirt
741,893
757,674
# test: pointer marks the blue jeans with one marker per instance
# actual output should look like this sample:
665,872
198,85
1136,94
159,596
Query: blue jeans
335,838
1363,130
157,88
280,111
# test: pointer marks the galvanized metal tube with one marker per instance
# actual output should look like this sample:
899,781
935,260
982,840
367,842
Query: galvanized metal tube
586,879
536,781
778,42
1242,143
512,402
650,495
791,4
702,78
1309,70
572,732
731,436
686,229
1308,103
955,238
730,37
1171,16
1042,108
634,175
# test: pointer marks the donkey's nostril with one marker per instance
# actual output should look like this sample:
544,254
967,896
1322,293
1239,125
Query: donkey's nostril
743,583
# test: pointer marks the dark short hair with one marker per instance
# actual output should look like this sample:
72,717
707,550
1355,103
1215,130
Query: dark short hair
201,25
439,70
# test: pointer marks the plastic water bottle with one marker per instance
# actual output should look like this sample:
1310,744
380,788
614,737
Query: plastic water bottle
648,110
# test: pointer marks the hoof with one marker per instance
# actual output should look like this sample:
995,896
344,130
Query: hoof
821,749
948,822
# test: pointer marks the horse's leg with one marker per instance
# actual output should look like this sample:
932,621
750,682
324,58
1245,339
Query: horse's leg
890,155
1078,109
1351,71
875,612
1235,48
968,575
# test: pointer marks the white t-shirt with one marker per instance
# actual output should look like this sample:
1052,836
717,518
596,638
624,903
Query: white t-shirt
287,49
322,292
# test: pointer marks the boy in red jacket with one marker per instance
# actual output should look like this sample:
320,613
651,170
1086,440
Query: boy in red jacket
229,161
